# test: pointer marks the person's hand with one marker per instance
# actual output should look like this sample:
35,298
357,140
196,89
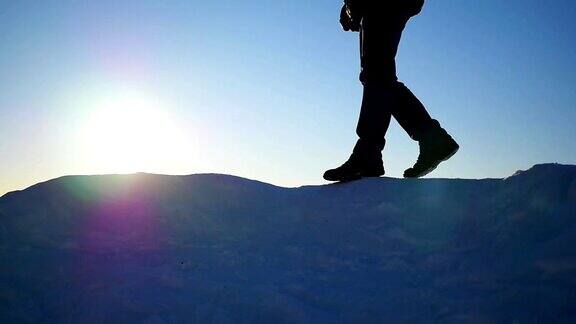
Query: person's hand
346,20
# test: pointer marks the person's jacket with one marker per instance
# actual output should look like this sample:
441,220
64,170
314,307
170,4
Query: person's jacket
407,7
354,10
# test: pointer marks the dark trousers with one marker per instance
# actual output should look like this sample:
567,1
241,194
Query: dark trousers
384,96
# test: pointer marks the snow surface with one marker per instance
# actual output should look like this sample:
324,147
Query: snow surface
221,249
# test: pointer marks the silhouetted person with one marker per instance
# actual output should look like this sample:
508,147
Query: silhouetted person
380,24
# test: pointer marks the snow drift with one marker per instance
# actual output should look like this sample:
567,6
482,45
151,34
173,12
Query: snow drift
214,248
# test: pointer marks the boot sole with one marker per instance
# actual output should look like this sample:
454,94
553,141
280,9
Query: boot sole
354,178
434,166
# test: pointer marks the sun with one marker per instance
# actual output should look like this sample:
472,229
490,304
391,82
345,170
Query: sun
130,132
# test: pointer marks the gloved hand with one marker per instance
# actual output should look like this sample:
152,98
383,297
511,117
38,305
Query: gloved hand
349,21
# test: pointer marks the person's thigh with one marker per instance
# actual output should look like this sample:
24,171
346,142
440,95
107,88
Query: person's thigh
379,39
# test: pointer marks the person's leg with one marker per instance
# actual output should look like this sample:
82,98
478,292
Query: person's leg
381,34
410,113
379,39
386,96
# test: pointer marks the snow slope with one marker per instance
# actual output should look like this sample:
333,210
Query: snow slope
221,249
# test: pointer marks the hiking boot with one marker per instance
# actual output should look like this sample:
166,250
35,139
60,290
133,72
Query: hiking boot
435,147
354,170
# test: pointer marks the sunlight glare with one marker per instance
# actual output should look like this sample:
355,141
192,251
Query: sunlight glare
131,133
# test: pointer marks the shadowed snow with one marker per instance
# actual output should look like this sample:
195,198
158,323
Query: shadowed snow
216,248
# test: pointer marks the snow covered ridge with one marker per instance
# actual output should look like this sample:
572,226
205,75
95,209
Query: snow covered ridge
221,249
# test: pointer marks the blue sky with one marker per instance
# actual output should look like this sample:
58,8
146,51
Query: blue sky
268,89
